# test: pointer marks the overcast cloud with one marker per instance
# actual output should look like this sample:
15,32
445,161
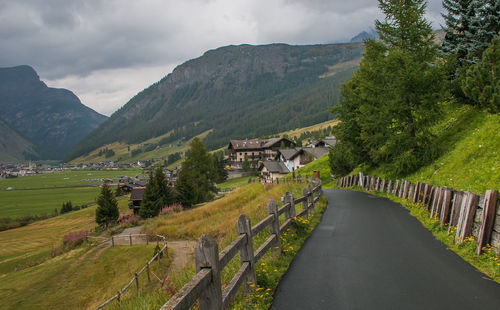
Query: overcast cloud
106,51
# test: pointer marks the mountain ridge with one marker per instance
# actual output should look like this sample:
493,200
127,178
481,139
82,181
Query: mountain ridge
52,119
237,91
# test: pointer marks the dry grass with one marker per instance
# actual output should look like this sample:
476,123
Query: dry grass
218,218
32,243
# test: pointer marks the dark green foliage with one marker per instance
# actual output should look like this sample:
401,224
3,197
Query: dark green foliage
482,83
245,165
157,194
197,176
106,152
341,160
392,100
237,91
118,191
220,167
457,24
136,152
107,206
66,207
172,158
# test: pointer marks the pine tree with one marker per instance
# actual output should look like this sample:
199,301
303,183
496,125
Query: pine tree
157,194
483,26
391,101
456,25
197,176
482,81
245,165
107,206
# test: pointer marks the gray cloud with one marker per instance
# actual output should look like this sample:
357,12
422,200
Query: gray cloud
108,50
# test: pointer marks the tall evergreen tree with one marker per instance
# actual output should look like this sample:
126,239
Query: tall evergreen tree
107,206
157,194
197,176
388,105
457,24
483,26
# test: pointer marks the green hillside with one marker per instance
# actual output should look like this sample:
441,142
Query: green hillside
236,92
469,152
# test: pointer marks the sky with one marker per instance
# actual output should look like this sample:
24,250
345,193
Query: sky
106,51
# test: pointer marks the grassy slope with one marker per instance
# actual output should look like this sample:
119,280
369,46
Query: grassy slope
80,279
121,151
32,243
469,143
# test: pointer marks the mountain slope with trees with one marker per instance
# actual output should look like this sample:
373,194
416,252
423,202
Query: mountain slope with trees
53,120
238,91
13,147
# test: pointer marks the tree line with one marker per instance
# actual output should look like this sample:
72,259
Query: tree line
389,105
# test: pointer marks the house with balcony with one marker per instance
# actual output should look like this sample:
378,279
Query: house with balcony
255,150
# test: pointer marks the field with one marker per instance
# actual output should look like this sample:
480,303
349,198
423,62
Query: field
32,243
77,186
66,178
19,203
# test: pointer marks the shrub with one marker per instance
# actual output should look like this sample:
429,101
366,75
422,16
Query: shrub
173,208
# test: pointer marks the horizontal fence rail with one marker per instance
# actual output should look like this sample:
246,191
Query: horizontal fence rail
465,213
145,268
206,287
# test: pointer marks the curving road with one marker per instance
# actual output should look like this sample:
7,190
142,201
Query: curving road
369,253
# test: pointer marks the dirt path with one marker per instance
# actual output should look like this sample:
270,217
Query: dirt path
183,252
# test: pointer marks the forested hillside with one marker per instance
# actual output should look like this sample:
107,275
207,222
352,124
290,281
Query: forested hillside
13,147
237,91
53,120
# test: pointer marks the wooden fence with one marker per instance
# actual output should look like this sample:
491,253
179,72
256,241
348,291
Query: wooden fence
206,284
146,268
467,213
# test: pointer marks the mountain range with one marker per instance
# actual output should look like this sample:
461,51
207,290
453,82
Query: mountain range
236,92
39,122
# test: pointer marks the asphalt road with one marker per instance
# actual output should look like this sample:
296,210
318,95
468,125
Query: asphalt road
370,253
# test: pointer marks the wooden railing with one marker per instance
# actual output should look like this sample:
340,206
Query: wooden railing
145,268
206,284
465,213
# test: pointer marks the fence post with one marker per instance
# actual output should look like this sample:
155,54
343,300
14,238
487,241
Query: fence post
311,197
487,219
206,254
274,227
288,198
130,239
305,192
147,270
243,227
112,241
137,283
466,217
118,294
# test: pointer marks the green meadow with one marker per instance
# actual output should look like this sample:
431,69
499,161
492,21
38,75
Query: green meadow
66,178
18,203
41,194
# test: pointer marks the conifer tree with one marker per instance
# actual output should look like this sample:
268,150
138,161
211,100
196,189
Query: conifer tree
157,194
390,102
457,23
107,206
197,176
482,81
